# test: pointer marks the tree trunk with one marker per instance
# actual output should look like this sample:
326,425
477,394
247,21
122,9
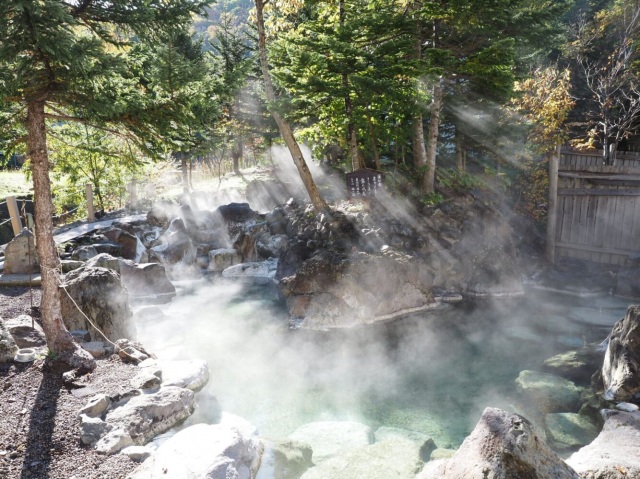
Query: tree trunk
59,341
428,180
236,154
460,163
285,129
417,140
374,144
352,137
417,131
185,172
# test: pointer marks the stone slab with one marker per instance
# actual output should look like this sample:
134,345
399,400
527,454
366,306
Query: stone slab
20,279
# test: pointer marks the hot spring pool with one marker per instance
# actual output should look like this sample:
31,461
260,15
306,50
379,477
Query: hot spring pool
433,373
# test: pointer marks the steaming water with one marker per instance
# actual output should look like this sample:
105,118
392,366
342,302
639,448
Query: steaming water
432,373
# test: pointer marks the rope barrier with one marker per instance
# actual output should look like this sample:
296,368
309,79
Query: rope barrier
66,212
6,221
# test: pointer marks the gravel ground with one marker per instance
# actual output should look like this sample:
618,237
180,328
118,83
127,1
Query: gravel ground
39,429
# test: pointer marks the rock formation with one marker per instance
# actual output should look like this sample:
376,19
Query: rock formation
622,359
502,446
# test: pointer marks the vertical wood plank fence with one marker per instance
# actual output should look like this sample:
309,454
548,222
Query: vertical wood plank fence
598,207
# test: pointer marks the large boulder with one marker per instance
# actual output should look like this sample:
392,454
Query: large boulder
146,280
622,358
8,348
132,247
332,438
26,332
192,374
502,446
548,392
140,418
615,453
332,290
204,451
20,254
235,213
103,260
96,294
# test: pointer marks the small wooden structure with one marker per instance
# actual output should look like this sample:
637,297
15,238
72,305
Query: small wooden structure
597,207
364,182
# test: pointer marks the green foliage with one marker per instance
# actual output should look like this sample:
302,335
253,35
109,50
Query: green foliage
51,355
81,155
531,190
431,199
456,181
82,60
545,101
360,54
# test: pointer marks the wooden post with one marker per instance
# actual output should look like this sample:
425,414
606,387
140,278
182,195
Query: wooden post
552,211
91,215
14,213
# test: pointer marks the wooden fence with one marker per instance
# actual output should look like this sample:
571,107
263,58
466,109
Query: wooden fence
597,207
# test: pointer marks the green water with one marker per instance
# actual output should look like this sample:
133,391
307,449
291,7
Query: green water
433,373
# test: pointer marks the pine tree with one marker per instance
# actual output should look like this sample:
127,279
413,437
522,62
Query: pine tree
67,61
345,67
283,125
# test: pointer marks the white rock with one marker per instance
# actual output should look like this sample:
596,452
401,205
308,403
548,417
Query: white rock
92,429
96,406
114,441
241,424
20,254
203,451
615,453
329,439
502,445
191,374
8,348
146,379
150,414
